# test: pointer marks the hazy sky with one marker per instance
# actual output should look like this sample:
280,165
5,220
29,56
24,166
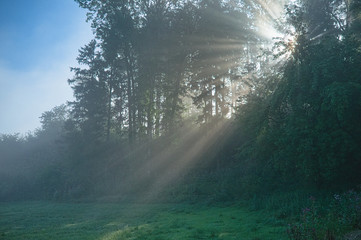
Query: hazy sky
39,42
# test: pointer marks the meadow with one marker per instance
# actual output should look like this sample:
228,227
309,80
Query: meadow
110,221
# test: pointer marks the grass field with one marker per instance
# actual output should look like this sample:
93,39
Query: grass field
110,221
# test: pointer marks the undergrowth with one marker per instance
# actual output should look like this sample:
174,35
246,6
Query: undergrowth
320,221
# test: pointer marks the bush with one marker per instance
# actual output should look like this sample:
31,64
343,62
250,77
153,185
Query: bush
316,222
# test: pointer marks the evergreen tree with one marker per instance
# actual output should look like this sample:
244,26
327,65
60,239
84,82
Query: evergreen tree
89,110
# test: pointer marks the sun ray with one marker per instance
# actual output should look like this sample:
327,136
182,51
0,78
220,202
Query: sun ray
166,165
190,158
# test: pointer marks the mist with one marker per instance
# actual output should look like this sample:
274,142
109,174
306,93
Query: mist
180,119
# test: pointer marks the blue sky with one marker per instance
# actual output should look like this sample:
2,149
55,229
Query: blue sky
39,42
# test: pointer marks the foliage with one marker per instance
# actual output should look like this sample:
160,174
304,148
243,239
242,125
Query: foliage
320,221
310,226
126,133
34,165
302,131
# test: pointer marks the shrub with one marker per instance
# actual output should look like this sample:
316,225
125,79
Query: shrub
316,222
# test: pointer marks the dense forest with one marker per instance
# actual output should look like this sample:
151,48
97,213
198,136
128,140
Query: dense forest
198,101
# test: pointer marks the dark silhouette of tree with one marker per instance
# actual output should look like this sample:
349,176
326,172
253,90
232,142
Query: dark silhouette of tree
89,110
305,129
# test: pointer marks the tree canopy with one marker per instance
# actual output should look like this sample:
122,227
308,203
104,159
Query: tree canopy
182,91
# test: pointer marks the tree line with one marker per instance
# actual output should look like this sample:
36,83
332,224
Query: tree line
266,116
148,57
303,126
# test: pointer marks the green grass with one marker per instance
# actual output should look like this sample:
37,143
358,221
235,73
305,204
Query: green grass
110,221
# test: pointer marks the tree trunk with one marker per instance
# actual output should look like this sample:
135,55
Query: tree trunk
109,114
129,69
157,115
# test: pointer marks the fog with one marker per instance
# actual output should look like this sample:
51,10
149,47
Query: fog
237,106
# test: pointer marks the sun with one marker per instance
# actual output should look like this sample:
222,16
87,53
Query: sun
290,43
272,29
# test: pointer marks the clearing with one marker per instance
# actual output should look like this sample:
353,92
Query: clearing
110,221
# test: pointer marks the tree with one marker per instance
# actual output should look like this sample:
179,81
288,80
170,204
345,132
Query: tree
89,111
307,129
218,51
